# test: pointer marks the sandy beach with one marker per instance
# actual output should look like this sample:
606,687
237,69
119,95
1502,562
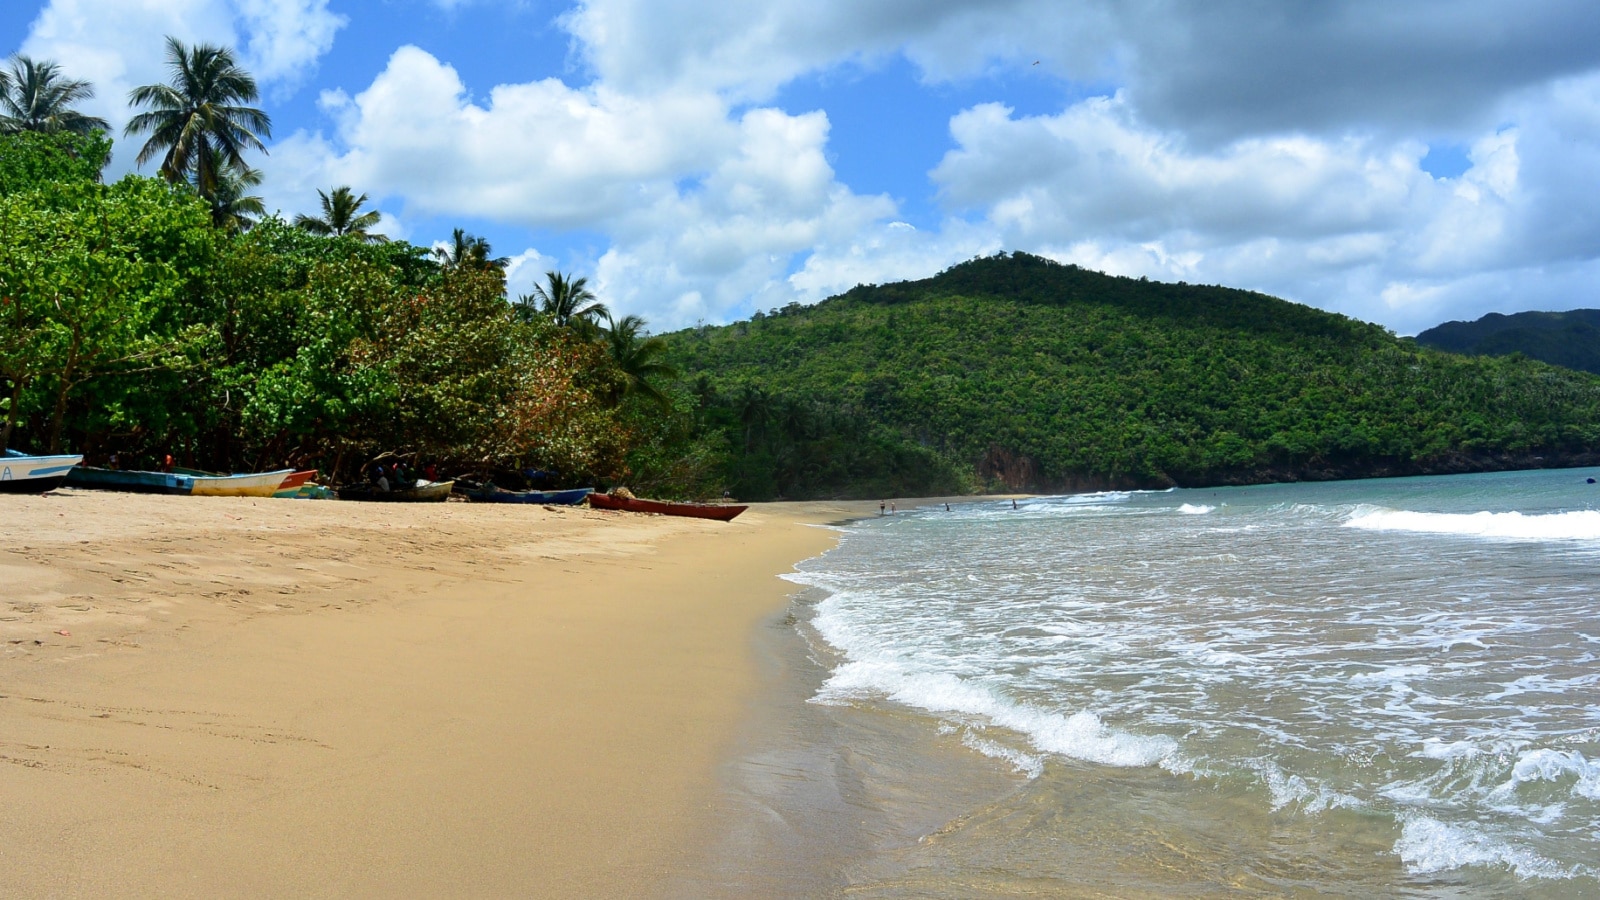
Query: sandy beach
225,697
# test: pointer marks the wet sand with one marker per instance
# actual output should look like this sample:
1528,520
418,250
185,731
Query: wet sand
227,697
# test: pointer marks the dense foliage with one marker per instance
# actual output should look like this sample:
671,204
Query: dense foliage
130,324
1015,371
1570,338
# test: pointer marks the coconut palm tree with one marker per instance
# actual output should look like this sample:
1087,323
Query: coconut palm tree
232,208
637,357
198,111
340,217
567,302
467,251
35,97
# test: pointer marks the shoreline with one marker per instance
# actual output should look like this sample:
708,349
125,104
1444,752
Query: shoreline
215,696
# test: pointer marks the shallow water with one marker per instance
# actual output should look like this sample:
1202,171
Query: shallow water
1380,687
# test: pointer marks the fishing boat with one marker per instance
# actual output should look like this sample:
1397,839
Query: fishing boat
491,494
289,488
253,484
719,511
22,474
422,492
130,480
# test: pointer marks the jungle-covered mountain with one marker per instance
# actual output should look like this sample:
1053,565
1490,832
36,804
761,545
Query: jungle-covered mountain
1017,372
1570,338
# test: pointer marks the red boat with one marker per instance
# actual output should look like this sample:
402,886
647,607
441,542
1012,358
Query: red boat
718,511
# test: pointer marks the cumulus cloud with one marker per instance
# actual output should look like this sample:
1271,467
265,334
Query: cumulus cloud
285,38
1279,147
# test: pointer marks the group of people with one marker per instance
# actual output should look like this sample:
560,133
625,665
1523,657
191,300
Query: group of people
394,476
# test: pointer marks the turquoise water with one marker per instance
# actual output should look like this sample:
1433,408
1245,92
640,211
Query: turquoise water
1387,685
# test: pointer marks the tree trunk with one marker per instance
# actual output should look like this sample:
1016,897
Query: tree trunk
58,419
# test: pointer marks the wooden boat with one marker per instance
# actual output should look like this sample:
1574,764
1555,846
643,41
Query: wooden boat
130,480
22,474
549,498
421,492
255,484
718,511
289,488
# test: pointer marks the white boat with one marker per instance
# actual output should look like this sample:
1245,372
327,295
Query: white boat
34,474
254,484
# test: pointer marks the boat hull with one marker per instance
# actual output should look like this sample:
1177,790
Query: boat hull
547,498
289,488
719,512
130,480
424,492
257,484
34,474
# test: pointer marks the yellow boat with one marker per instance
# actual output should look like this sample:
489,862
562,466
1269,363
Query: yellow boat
259,484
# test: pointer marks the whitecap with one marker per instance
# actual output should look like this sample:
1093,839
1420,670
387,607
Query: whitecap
1578,525
1195,509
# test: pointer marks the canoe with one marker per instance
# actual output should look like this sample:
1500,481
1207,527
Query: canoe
720,512
130,480
550,498
422,492
289,488
22,474
255,484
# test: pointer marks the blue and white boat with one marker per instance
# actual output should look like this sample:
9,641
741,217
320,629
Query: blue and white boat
20,473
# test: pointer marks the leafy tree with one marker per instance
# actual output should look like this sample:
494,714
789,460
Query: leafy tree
639,359
199,111
567,302
30,159
341,217
34,96
86,273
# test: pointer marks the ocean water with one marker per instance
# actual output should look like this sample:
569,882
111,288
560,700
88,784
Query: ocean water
1380,688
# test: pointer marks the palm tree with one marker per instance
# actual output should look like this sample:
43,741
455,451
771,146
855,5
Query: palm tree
567,302
197,112
232,209
34,97
340,218
637,357
466,251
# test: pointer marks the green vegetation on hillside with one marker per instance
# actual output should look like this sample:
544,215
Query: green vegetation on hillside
1570,338
1014,371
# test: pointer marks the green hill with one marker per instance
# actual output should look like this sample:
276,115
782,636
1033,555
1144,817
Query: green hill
1570,338
1017,372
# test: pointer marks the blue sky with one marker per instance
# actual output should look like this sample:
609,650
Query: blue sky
697,160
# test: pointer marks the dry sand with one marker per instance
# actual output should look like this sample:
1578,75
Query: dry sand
204,697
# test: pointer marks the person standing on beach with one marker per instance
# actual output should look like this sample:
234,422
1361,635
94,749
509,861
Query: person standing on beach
882,504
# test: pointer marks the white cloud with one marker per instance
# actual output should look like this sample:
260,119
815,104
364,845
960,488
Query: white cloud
535,154
286,37
1278,148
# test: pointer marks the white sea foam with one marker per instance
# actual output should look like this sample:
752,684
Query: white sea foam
1429,845
1193,509
1081,735
1558,765
1029,764
1577,525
